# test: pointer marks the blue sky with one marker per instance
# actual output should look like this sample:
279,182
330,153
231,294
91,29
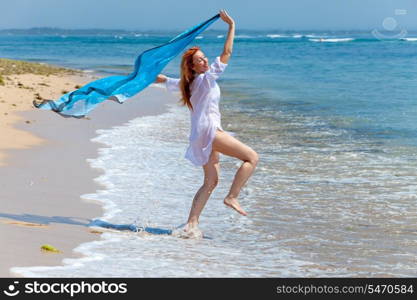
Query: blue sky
180,14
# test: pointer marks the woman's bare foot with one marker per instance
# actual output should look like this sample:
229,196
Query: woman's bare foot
190,226
233,203
191,231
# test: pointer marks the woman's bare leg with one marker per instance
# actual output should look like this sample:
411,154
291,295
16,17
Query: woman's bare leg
228,145
211,178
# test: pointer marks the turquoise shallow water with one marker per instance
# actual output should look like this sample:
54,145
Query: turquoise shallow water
334,123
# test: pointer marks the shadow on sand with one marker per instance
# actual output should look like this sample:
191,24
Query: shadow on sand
30,220
44,220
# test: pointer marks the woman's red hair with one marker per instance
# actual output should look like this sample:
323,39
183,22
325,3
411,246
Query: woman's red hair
187,75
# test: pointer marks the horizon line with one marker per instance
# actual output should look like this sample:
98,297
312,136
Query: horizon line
161,30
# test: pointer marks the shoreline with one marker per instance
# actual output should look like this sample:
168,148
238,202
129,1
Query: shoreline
46,172
16,95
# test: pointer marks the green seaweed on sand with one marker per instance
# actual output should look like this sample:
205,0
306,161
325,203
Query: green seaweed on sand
16,67
49,248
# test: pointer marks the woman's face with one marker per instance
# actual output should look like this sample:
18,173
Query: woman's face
200,62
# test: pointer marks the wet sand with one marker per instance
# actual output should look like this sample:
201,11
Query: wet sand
44,169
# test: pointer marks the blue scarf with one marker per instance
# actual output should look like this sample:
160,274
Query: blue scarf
148,65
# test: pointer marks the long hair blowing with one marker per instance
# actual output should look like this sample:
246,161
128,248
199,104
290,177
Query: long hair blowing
187,76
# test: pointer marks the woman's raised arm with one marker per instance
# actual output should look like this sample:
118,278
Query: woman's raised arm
228,45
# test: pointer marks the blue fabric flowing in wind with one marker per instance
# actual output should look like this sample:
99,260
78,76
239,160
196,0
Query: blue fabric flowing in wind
148,65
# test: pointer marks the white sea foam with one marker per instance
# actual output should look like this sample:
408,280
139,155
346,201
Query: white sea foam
314,36
334,40
412,39
244,36
274,36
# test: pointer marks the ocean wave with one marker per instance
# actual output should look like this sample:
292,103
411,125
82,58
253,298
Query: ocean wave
244,36
412,39
274,36
334,40
314,36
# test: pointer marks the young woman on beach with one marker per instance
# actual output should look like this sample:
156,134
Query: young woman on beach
201,94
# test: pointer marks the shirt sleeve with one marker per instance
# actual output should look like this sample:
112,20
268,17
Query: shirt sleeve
173,84
216,69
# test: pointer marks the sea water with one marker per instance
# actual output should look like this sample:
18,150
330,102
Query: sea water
333,118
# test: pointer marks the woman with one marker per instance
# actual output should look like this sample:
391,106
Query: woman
201,94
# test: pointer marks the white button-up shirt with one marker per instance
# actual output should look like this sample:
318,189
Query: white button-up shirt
205,116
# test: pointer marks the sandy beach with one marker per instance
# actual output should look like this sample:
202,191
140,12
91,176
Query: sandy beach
44,169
